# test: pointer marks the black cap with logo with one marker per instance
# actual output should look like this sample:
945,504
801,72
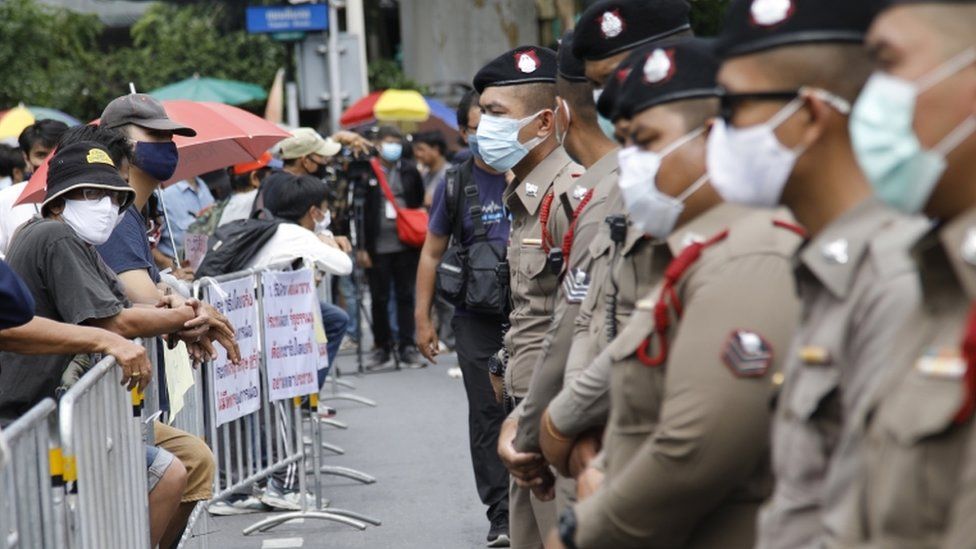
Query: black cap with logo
523,65
610,27
84,164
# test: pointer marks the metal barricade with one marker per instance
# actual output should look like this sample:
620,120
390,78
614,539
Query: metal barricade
32,504
102,437
258,444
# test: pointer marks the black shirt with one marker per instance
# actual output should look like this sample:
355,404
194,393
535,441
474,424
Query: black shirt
69,283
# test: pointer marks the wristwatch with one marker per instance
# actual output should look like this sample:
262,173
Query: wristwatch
567,528
496,366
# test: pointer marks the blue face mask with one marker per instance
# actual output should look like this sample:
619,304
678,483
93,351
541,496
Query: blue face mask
391,152
158,160
498,142
902,173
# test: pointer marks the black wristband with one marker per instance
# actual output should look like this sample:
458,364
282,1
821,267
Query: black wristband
567,528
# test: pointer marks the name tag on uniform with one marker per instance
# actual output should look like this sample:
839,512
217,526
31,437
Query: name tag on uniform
390,210
812,355
941,363
537,242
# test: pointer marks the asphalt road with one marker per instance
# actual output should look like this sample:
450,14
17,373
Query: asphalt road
415,444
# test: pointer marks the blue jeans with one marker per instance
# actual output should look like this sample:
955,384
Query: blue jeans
348,291
335,321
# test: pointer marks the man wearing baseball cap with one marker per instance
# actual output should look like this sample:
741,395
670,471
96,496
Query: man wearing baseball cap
307,153
127,252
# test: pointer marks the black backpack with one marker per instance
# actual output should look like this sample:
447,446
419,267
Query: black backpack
232,245
476,276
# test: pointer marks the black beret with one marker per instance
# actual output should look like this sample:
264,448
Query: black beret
608,105
891,3
523,65
756,25
84,164
683,70
570,67
609,27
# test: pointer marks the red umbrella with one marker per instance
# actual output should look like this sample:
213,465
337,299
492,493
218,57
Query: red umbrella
361,112
226,136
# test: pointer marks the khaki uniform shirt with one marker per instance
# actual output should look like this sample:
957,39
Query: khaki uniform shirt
628,272
686,445
857,285
533,284
547,378
918,485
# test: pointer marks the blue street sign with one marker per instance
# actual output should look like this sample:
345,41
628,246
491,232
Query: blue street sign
311,17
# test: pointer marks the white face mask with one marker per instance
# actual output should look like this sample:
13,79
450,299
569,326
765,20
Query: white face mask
651,211
322,225
750,165
498,140
92,220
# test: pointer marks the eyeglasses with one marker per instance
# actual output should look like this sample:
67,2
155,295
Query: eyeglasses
730,101
117,197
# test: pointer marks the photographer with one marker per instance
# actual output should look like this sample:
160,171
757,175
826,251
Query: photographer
385,253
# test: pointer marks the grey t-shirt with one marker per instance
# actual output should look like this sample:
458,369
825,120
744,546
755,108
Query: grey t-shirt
70,283
388,241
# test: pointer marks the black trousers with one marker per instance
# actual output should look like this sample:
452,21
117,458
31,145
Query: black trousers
401,268
478,338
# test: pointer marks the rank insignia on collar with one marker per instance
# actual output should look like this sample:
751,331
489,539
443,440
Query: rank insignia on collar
579,192
944,363
836,252
968,249
531,190
747,354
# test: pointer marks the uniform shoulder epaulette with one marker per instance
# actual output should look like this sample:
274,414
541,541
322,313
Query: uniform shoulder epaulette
889,247
765,232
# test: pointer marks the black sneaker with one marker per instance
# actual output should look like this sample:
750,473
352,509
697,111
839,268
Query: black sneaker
379,358
410,357
498,533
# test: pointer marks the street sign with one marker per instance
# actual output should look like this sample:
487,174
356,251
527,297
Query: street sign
265,19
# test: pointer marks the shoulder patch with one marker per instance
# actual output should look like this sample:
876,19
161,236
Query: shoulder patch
747,354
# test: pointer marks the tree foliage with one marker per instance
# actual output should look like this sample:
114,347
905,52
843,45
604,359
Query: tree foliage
56,58
707,16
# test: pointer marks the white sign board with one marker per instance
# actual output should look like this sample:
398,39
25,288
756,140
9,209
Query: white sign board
237,387
289,333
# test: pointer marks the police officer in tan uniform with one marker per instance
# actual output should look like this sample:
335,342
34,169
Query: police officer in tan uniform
913,129
516,133
579,132
605,51
790,76
692,372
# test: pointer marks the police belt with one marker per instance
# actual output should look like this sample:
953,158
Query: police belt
511,403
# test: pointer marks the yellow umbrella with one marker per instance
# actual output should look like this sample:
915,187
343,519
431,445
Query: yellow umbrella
14,122
402,106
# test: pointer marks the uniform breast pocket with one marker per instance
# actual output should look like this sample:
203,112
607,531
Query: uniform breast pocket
919,455
536,277
638,387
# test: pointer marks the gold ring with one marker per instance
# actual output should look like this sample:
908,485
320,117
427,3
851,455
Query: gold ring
137,374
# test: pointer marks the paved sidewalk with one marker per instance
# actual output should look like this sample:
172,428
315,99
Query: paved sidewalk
415,444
